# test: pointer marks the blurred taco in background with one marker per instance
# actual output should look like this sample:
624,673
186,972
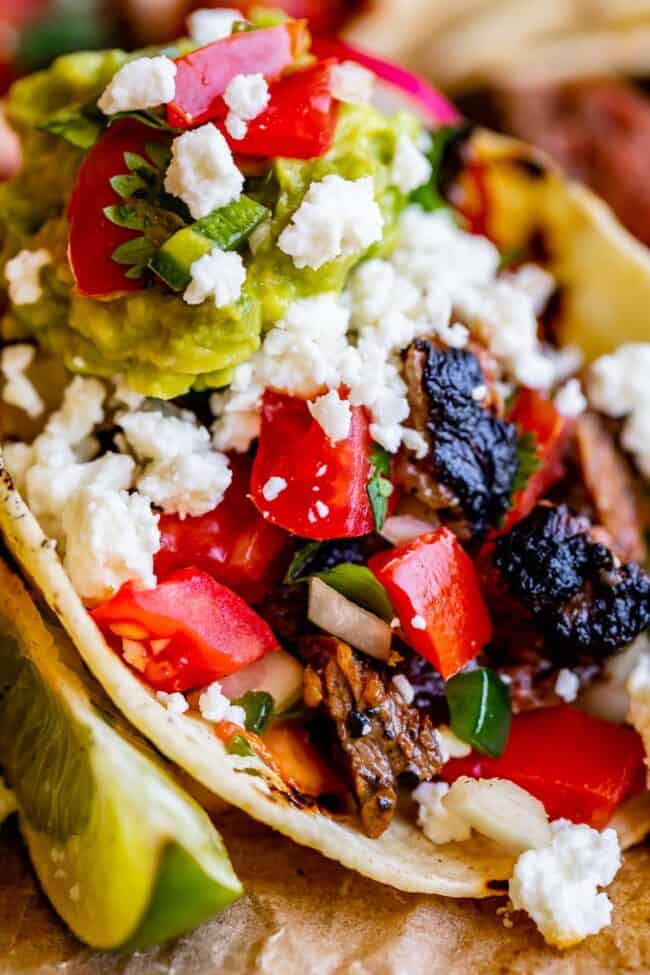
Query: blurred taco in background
324,444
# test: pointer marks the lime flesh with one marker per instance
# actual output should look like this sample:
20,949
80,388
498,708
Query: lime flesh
126,857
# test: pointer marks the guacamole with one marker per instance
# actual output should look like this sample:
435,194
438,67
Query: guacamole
162,345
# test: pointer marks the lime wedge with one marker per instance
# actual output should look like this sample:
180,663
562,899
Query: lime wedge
126,857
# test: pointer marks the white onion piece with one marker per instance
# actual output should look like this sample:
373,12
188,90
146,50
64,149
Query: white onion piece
607,696
277,672
335,614
401,529
400,89
502,811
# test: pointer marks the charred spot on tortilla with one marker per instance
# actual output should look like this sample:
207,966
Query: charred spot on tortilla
473,453
574,588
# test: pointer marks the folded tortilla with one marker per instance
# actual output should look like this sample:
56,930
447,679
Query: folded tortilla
604,277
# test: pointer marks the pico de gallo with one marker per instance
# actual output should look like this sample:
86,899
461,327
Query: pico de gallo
321,477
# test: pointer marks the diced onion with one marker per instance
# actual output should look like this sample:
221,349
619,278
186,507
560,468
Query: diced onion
502,811
278,673
335,614
607,696
401,529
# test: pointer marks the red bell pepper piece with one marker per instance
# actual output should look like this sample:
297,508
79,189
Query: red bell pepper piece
233,543
581,768
299,121
211,631
433,586
326,494
203,75
93,237
535,413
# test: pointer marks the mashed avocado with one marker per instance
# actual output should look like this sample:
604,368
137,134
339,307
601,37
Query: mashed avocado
163,345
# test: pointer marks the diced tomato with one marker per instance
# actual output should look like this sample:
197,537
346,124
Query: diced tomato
581,768
202,76
233,543
93,237
299,121
433,586
326,494
533,412
300,763
211,631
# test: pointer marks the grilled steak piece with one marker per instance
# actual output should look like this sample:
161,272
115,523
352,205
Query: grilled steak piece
473,458
610,487
378,735
574,589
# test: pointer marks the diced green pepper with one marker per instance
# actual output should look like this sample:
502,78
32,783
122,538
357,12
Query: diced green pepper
239,746
480,709
226,228
258,706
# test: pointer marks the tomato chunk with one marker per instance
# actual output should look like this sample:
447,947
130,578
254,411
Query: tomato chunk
234,543
326,493
203,75
299,121
211,631
93,237
581,768
433,586
535,413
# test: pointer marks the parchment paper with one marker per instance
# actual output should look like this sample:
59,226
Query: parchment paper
304,915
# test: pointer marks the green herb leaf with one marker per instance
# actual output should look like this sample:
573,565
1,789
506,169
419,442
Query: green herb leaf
429,196
361,586
159,153
380,487
239,746
137,163
137,251
297,571
75,127
528,460
125,215
136,271
127,186
258,706
145,118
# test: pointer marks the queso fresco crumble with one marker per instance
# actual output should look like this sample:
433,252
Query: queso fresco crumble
296,366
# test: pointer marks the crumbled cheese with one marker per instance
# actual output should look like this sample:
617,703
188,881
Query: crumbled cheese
618,386
205,26
415,441
411,168
322,470
567,685
450,745
18,389
419,623
215,706
202,171
405,688
537,283
352,83
81,411
570,400
125,396
176,703
337,217
246,95
274,488
111,537
333,414
180,471
557,885
438,823
143,83
23,275
322,510
219,275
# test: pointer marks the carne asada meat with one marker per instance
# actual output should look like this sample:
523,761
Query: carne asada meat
379,736
610,486
473,457
573,587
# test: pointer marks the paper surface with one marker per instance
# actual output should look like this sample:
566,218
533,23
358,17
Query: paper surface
303,915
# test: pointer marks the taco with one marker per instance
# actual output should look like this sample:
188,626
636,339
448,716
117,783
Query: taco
320,500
